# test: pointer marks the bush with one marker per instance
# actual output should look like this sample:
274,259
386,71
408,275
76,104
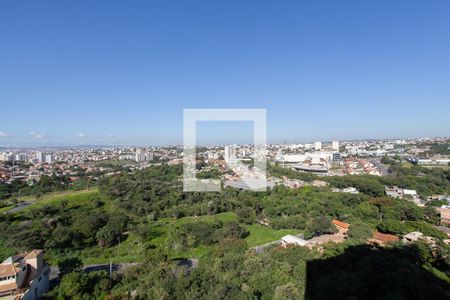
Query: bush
69,265
359,231
246,215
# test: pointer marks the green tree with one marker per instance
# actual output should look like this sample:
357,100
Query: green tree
107,236
393,226
73,285
68,265
321,225
246,215
286,291
359,231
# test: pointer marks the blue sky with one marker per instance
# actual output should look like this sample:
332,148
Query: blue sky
121,72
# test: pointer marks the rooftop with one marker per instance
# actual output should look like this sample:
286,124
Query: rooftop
384,237
341,224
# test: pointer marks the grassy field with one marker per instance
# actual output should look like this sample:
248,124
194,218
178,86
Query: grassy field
436,166
259,234
73,197
224,217
132,248
406,165
6,208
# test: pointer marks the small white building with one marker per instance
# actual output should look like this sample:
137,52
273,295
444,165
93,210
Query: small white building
293,240
416,236
335,145
318,146
412,193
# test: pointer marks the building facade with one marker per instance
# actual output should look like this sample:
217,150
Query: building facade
24,276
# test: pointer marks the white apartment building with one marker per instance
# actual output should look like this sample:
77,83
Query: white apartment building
318,146
335,145
229,153
142,156
49,158
40,157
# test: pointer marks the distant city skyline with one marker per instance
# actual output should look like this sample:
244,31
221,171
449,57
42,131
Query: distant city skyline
203,144
91,73
206,136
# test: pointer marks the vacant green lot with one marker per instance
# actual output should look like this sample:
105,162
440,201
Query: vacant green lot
259,234
74,198
132,248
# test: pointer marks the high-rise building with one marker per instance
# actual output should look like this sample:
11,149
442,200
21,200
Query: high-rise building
335,145
141,156
49,158
318,146
149,156
40,157
229,155
138,156
21,157
5,156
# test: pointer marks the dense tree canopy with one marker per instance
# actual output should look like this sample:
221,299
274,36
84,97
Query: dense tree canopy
134,205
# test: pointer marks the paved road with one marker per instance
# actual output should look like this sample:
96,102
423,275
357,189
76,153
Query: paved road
19,206
120,268
383,170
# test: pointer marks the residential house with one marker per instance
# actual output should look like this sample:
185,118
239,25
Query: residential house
445,214
382,239
341,225
24,276
418,236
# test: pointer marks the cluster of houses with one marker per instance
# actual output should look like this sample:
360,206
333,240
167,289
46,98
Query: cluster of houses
360,166
411,195
338,237
377,238
24,276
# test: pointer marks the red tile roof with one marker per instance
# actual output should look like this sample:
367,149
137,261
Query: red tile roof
7,287
384,237
33,254
341,224
7,270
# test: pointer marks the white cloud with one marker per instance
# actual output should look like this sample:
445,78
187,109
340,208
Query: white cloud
37,135
82,135
3,134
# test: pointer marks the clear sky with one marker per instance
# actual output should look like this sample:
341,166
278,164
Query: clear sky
121,72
